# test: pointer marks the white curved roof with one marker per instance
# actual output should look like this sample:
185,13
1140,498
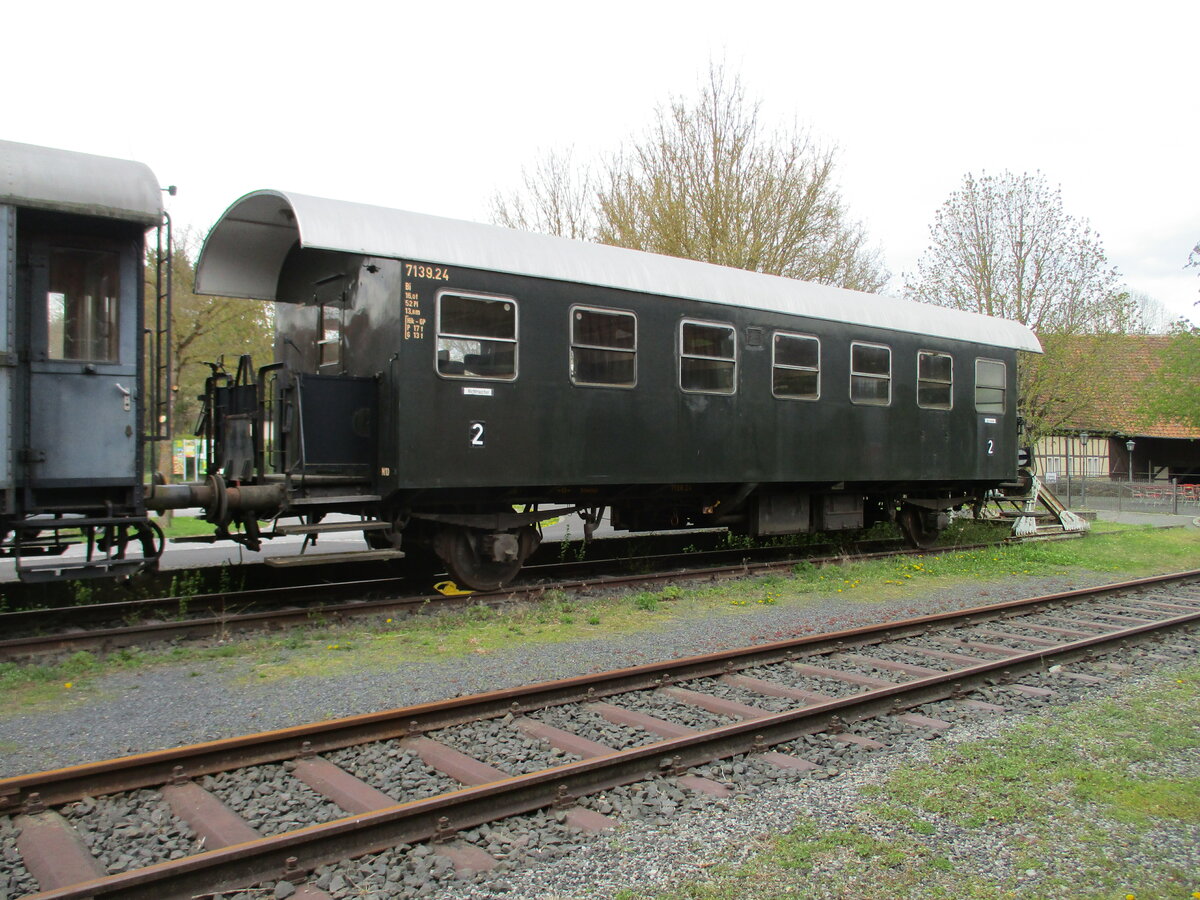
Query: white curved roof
245,251
65,181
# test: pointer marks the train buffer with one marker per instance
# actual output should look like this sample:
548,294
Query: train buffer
1039,513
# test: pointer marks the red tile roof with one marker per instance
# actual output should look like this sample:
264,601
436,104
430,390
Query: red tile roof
1119,413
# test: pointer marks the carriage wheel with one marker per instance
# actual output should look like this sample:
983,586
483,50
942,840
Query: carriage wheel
919,526
459,549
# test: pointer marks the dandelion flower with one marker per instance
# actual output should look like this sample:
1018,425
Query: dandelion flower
71,684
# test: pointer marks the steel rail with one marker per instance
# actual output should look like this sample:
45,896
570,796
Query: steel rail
218,601
111,638
294,852
63,785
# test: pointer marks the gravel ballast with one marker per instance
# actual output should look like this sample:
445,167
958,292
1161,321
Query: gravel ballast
167,706
665,833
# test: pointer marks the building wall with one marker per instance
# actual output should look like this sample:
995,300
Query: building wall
1060,456
1154,459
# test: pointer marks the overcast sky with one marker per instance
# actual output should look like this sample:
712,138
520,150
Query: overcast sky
400,105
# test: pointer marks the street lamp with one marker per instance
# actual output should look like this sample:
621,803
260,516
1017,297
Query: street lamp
1129,445
1083,439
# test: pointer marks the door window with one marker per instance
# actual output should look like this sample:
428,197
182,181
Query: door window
83,305
991,380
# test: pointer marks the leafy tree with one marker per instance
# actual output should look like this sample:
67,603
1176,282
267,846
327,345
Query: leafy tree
1173,392
206,329
1003,245
708,181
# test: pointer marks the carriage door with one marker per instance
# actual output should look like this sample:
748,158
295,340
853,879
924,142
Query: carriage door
83,388
996,455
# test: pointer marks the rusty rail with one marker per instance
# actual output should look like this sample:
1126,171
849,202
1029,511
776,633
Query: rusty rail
221,625
249,861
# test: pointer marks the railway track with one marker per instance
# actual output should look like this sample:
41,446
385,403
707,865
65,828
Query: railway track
428,779
105,627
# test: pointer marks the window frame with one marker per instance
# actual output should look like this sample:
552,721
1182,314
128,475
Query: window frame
856,374
572,344
1003,387
708,323
775,335
950,383
438,334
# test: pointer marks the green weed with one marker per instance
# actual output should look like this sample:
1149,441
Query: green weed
645,601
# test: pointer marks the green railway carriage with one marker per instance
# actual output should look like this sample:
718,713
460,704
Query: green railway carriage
457,383
453,385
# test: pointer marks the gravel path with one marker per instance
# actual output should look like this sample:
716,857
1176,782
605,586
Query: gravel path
675,834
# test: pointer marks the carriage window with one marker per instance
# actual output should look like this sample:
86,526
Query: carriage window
83,305
707,357
796,366
476,337
870,374
935,380
603,347
991,385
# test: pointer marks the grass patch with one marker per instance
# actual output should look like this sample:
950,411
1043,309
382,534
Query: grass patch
184,526
32,688
322,649
1052,797
1091,755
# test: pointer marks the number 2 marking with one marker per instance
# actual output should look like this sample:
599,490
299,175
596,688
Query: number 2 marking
476,434
991,448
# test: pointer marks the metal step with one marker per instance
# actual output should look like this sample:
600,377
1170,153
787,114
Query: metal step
331,527
334,501
314,480
76,569
321,559
50,523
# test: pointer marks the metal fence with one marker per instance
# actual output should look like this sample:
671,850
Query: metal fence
1129,496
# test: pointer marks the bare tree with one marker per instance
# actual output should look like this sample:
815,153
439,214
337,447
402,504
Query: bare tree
1150,315
1004,246
558,198
1194,261
708,181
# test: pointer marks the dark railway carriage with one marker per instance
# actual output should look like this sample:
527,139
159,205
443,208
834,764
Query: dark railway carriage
456,383
72,250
